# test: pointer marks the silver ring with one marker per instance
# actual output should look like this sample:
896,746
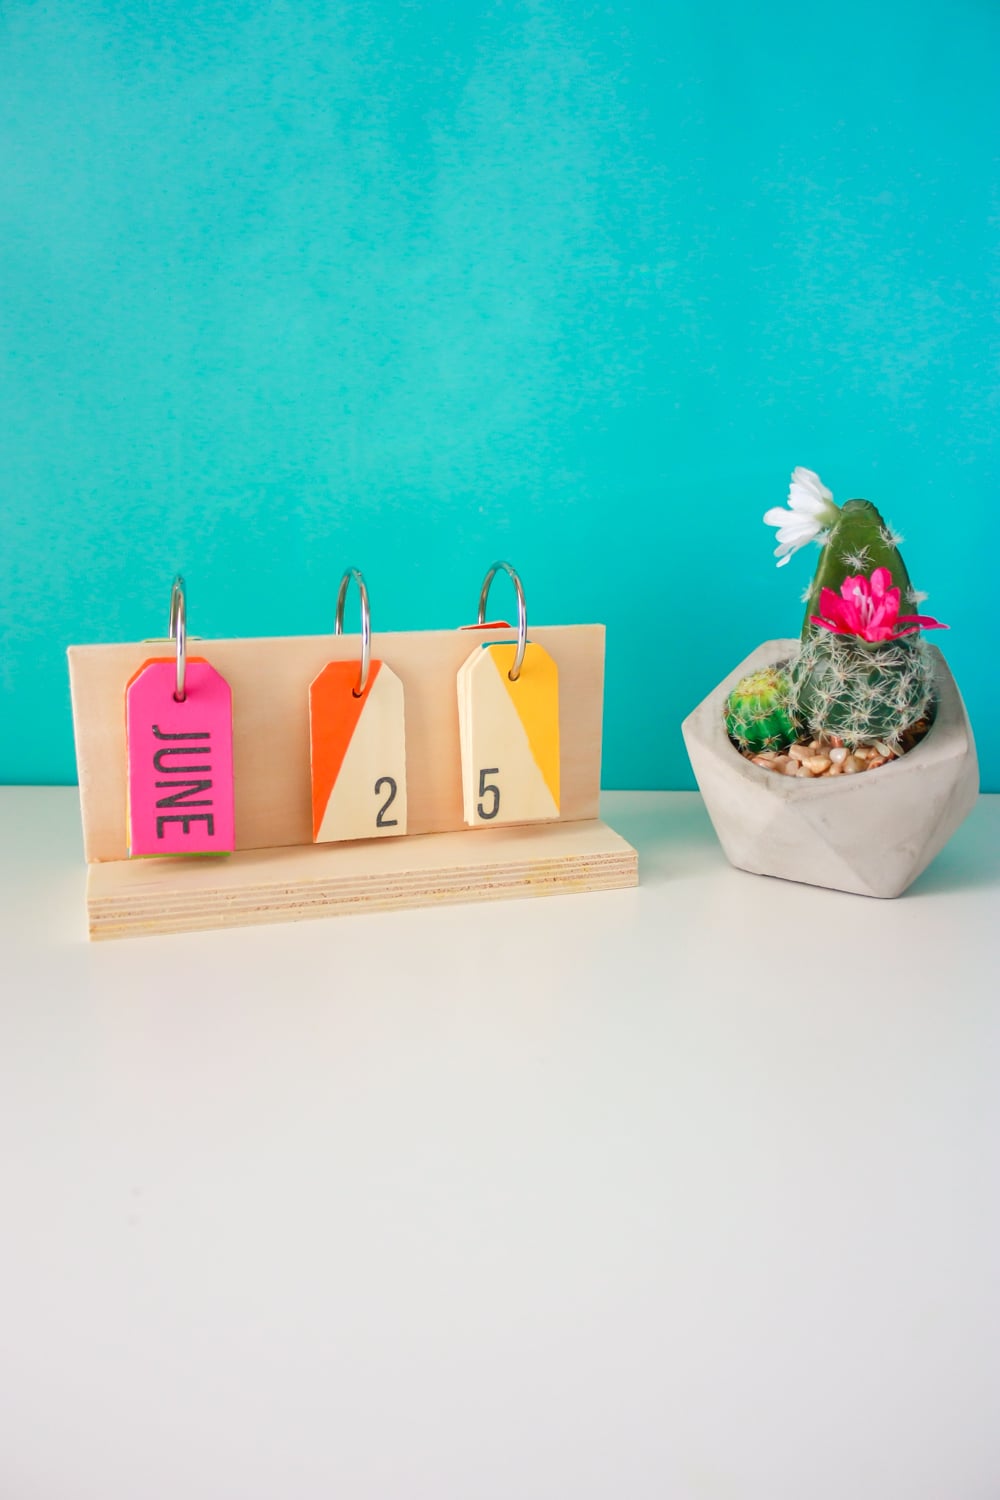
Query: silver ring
177,631
366,624
522,613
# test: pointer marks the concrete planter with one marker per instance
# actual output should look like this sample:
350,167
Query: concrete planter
871,834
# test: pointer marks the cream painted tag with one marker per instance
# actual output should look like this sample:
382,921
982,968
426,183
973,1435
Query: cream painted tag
509,734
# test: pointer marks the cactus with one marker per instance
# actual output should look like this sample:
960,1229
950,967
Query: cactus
862,671
859,541
860,690
757,715
846,684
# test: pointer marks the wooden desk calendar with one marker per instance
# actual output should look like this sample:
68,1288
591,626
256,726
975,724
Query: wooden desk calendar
278,874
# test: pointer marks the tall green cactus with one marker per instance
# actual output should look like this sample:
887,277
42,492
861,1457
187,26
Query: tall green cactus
859,541
842,684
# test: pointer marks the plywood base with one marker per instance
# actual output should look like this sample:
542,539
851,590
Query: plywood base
127,898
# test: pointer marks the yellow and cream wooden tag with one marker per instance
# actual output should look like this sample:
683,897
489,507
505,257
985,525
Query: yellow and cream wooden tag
509,733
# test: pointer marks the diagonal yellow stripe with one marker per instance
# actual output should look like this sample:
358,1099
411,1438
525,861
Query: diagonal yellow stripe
535,696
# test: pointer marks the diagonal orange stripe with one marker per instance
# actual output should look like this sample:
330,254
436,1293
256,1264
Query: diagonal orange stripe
334,713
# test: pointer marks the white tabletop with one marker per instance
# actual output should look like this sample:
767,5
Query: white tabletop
682,1193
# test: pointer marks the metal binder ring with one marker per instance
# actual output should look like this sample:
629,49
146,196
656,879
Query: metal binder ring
177,631
366,624
522,613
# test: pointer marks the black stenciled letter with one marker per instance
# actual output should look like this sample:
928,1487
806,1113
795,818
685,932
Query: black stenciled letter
185,794
179,750
186,819
201,734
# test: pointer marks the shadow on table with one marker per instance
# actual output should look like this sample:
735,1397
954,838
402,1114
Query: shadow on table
969,861
672,842
679,842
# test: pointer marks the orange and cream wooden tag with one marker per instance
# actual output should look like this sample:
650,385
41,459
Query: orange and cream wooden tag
357,740
509,731
357,744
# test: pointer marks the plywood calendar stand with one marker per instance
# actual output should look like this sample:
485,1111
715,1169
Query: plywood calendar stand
277,873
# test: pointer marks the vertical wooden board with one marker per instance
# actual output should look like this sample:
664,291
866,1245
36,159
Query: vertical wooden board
270,678
465,749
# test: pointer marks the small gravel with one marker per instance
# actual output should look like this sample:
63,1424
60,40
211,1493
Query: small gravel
831,757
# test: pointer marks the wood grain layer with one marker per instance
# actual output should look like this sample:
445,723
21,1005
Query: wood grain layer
134,897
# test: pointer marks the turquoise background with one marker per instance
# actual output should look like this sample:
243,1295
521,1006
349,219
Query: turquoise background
286,287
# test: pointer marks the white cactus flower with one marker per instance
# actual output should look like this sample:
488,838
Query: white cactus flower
810,513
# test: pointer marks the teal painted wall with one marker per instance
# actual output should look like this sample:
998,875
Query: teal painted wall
414,285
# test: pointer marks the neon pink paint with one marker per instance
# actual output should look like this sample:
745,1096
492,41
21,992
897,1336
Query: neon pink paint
180,761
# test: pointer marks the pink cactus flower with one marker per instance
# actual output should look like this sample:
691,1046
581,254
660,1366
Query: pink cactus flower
869,609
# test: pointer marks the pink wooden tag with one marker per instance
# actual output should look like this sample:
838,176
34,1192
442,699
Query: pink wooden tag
180,761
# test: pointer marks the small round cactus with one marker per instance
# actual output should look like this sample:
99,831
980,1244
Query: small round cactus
861,690
757,716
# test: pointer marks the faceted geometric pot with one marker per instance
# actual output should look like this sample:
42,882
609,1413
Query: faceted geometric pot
872,833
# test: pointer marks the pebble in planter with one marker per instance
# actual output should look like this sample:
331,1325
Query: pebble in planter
778,748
